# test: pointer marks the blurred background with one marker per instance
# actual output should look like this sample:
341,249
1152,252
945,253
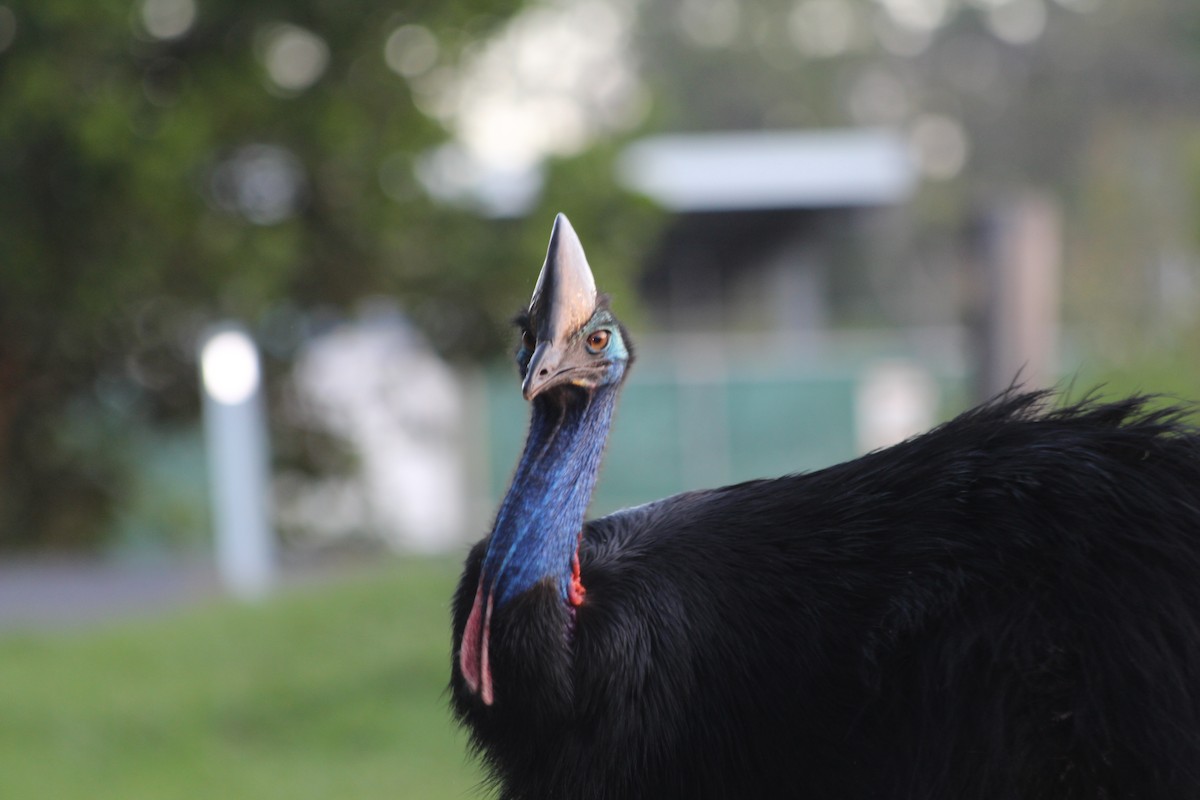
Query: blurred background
828,224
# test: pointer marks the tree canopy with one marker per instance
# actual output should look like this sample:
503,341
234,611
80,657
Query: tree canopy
167,162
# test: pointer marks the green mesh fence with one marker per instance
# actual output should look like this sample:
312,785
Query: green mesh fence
673,434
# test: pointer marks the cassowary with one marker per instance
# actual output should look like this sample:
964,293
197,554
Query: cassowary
1007,606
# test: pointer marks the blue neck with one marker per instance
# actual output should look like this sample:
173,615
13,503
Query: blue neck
538,525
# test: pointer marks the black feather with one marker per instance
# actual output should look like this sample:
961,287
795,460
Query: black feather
1005,607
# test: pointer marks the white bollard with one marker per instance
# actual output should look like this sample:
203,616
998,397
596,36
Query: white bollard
238,463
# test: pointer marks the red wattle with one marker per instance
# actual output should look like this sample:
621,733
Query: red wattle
473,652
485,671
575,590
468,653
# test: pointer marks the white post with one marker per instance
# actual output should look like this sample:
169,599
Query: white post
239,469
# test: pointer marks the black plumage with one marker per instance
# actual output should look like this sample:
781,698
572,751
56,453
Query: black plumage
1005,607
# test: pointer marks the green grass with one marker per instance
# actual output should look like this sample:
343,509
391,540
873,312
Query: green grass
328,692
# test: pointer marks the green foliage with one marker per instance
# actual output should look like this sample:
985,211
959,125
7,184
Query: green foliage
329,692
125,228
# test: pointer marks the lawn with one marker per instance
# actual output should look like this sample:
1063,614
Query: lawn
323,692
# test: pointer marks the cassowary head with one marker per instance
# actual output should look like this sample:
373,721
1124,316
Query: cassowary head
573,358
569,337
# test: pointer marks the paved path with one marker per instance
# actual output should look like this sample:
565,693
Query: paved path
54,593
64,593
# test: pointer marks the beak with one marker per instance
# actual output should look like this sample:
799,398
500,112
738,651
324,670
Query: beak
543,368
564,299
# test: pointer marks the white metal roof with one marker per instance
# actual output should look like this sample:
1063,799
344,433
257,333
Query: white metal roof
770,169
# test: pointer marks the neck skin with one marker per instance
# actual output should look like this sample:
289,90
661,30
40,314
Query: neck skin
537,529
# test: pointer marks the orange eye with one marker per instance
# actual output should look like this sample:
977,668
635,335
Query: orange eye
598,341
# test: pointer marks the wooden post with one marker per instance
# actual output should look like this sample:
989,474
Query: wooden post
1020,263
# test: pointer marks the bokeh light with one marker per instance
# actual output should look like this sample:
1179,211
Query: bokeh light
899,39
411,50
168,19
262,182
917,15
295,58
1017,21
823,28
229,365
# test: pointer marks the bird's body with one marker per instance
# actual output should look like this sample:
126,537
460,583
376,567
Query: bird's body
1005,607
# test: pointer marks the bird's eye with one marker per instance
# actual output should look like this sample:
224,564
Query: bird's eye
598,341
527,340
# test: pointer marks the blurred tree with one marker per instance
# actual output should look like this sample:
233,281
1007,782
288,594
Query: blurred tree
165,162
